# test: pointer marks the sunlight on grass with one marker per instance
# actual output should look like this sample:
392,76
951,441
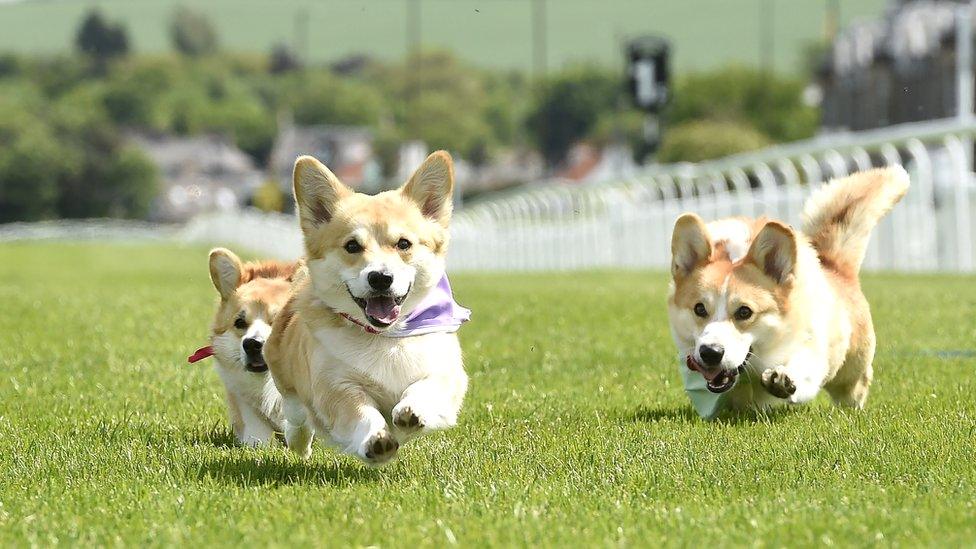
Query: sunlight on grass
576,430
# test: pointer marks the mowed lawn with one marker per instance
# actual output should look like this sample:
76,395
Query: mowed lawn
575,432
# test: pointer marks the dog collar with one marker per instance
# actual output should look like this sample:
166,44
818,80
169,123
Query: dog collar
366,327
436,312
200,354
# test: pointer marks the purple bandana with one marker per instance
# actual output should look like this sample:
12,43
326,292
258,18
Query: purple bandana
437,312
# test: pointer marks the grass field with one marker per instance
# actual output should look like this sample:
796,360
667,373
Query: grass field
575,432
497,33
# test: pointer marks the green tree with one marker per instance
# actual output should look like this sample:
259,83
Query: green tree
568,106
771,104
192,33
704,139
100,38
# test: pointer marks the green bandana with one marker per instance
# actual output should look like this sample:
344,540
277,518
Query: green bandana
707,404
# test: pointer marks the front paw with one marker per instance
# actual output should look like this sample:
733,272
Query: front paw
411,418
406,419
380,448
777,383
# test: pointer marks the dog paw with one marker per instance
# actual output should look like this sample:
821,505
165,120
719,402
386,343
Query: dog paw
405,418
778,384
380,448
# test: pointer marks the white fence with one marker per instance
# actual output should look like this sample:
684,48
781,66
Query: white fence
628,223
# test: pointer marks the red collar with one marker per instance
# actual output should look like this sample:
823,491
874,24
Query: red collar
200,354
369,329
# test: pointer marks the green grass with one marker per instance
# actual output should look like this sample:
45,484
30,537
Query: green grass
498,33
575,432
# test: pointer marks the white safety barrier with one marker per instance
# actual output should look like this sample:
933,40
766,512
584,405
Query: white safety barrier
558,227
627,224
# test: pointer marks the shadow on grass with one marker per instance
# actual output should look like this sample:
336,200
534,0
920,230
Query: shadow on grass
279,470
687,414
220,436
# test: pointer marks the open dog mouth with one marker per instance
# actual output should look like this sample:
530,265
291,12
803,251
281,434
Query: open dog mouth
381,310
256,366
718,380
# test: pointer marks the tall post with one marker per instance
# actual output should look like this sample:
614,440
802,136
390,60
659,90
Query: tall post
539,53
767,44
964,62
964,111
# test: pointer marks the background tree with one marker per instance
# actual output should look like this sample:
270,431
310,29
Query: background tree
283,60
192,33
101,39
568,106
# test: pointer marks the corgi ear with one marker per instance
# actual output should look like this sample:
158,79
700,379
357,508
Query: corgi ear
774,251
317,191
432,187
225,271
690,245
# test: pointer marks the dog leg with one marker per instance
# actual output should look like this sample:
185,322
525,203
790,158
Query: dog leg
257,431
298,433
358,427
428,405
799,380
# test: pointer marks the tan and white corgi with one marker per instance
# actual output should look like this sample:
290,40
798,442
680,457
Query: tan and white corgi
251,296
763,314
365,353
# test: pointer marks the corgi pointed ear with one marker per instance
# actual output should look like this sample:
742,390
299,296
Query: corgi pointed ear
317,191
432,187
690,245
226,271
774,251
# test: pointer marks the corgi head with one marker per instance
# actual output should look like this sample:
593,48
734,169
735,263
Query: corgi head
730,294
374,258
251,294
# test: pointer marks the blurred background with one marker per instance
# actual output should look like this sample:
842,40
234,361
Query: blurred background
580,128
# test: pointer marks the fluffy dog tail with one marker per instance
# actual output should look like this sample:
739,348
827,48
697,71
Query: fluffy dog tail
838,218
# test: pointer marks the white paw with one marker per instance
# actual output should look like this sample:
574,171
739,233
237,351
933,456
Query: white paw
299,439
778,383
410,417
379,448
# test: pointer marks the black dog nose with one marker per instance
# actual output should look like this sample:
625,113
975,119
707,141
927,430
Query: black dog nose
711,355
379,281
252,346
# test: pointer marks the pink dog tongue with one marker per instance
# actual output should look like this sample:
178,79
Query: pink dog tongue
383,309
693,365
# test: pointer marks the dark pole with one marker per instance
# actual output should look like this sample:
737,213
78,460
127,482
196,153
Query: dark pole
414,63
767,44
301,34
539,39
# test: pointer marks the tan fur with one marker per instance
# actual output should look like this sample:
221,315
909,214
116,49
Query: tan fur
258,291
810,322
336,379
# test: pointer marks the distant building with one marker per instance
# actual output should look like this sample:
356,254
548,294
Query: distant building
198,174
346,150
900,68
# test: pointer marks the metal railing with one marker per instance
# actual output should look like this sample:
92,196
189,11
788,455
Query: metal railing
628,223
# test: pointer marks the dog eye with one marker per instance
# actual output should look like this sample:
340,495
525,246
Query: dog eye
743,313
404,244
240,322
353,247
700,310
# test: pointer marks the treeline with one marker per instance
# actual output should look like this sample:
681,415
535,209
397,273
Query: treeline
63,118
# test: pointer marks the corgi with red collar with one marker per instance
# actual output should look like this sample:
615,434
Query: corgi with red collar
365,353
251,296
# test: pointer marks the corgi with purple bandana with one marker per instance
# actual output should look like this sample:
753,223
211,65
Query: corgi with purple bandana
365,353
